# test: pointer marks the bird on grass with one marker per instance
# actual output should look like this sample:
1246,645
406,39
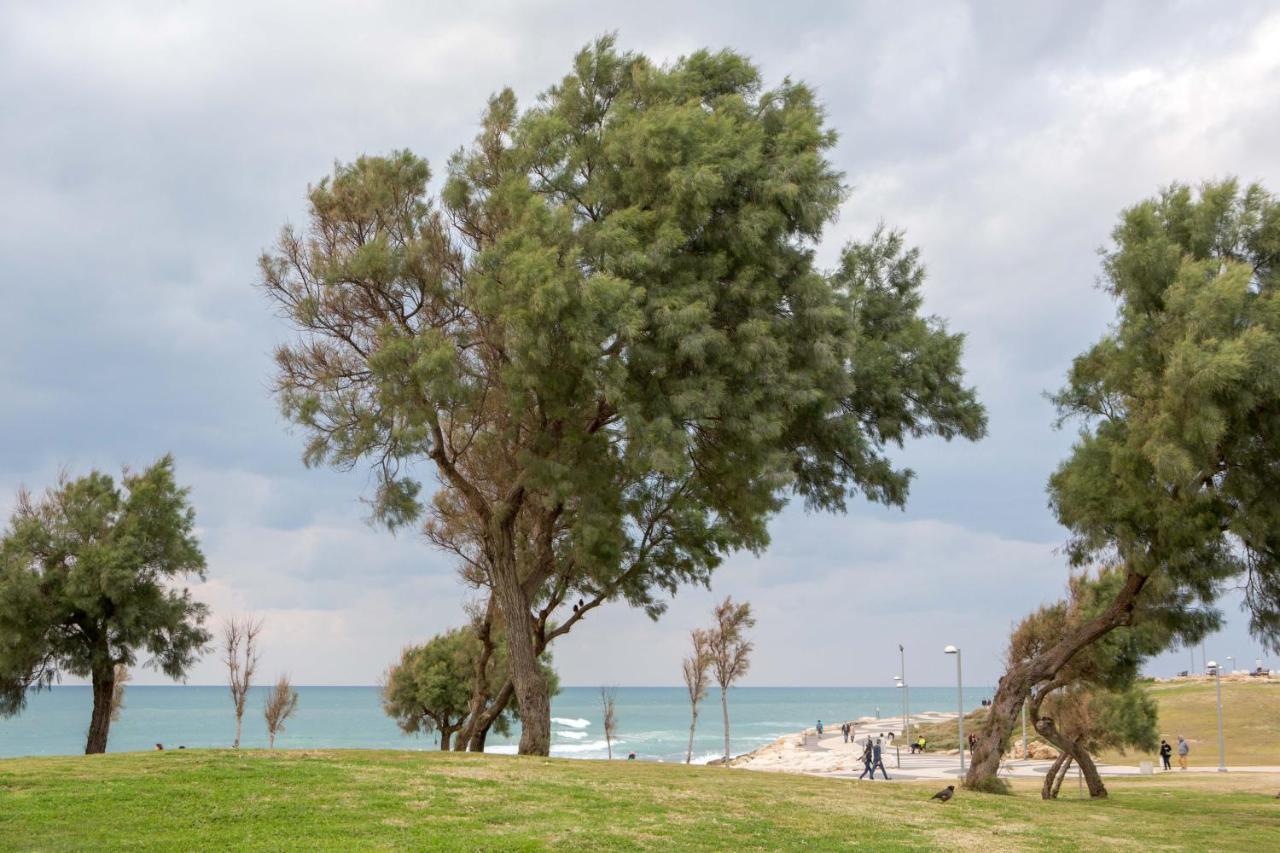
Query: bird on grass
945,794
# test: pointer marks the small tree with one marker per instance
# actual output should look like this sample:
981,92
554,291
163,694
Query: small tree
608,699
1085,719
730,651
87,578
695,680
281,702
240,645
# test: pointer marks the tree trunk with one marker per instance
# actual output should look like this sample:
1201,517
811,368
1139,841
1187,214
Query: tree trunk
1046,790
476,744
724,705
479,684
239,720
1017,682
104,686
1048,730
522,658
693,724
1062,774
271,738
445,734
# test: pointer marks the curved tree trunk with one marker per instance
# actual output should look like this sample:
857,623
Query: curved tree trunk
1046,728
1047,789
1062,774
104,686
1018,681
530,684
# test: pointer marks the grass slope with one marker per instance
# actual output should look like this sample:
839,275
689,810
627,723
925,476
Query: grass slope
363,799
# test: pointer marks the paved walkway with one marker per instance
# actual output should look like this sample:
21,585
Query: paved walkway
832,757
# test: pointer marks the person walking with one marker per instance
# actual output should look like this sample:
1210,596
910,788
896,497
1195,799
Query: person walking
1183,749
1165,752
878,761
868,761
819,728
844,730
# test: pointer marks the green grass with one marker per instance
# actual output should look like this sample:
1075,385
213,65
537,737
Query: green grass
364,799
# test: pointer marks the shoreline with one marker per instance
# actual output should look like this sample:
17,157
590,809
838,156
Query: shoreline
805,752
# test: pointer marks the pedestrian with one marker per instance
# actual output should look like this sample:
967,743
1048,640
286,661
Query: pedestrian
844,730
1183,749
1165,752
878,761
819,728
973,741
868,760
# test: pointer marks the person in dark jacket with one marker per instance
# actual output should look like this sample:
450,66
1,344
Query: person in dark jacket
877,761
868,761
1165,752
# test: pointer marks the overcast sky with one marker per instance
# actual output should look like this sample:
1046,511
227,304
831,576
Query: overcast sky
150,151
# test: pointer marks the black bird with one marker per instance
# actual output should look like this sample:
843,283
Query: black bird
575,608
945,794
581,602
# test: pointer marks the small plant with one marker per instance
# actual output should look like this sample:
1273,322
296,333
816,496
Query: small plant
282,701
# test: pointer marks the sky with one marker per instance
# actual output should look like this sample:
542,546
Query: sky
149,152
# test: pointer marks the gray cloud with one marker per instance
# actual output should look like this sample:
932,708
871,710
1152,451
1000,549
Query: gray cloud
150,151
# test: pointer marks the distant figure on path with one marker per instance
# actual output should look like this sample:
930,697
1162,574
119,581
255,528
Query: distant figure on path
878,762
844,730
868,761
918,746
159,747
819,728
1165,752
973,741
1183,749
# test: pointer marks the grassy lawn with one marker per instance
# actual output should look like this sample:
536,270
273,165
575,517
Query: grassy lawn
362,799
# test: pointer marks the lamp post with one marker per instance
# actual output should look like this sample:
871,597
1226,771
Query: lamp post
1231,664
952,650
906,692
1222,744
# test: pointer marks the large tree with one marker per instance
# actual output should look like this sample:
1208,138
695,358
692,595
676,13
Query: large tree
1176,474
608,339
87,581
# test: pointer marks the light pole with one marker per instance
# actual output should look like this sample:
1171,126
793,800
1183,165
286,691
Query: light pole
1222,744
906,693
1231,666
952,650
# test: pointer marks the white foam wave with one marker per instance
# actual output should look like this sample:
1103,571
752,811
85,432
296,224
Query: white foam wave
503,749
576,748
707,757
570,722
572,735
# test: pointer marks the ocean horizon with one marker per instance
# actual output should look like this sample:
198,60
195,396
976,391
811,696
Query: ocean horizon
653,722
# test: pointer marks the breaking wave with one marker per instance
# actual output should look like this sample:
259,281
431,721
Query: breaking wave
570,722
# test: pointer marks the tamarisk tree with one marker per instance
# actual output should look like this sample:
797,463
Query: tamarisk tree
695,670
88,578
608,340
729,651
1174,477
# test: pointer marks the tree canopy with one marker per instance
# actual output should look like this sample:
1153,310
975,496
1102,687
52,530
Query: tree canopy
1175,475
608,339
87,582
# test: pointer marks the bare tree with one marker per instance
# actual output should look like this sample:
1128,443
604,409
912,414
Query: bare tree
608,698
117,690
282,701
730,651
695,679
240,645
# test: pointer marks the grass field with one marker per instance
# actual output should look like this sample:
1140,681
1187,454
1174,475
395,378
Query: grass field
1250,722
364,799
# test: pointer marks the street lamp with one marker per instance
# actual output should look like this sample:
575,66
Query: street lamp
952,650
1222,744
906,693
1231,666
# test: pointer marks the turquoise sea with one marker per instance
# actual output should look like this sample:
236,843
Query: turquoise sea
653,722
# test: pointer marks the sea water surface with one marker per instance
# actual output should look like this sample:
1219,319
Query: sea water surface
653,722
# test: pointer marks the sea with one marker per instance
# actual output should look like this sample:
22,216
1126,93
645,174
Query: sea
652,722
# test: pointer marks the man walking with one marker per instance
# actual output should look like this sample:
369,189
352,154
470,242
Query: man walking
1183,749
868,761
844,730
878,761
1165,752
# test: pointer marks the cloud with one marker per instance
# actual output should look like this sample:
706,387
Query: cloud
153,150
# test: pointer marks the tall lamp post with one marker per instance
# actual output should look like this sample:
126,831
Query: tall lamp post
952,650
906,693
1222,744
1231,664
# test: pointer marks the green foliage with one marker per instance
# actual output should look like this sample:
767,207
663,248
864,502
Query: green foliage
609,327
1174,471
430,688
86,581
